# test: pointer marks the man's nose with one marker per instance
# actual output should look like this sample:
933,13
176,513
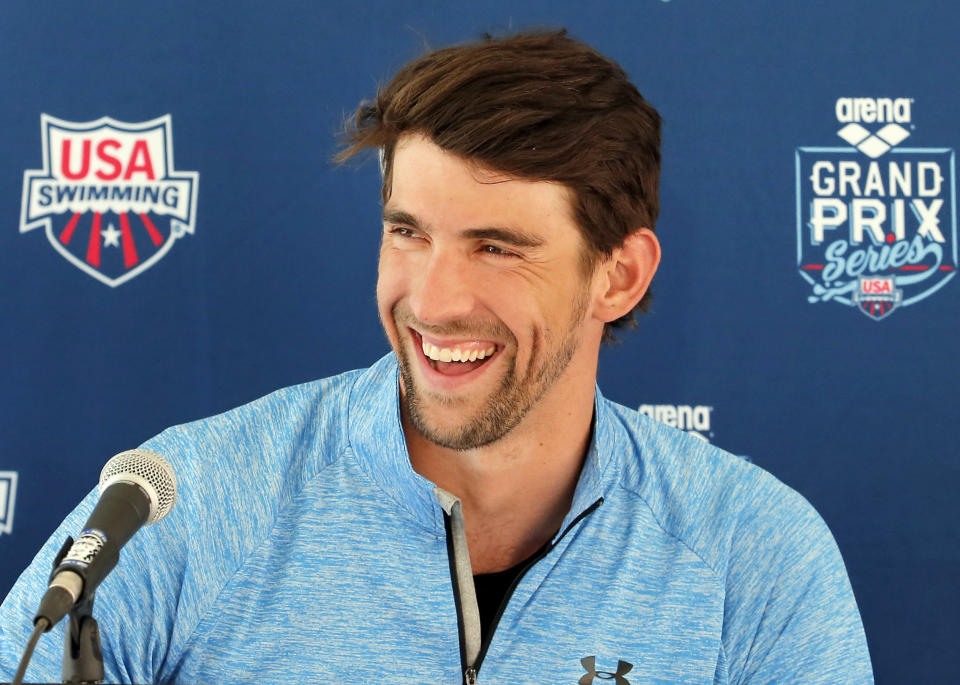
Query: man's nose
443,291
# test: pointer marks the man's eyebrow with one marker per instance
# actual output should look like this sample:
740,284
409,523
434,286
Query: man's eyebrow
397,216
508,236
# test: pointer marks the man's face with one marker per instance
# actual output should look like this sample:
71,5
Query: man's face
480,291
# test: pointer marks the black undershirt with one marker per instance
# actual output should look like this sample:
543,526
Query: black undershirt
492,589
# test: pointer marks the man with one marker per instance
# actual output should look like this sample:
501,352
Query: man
470,508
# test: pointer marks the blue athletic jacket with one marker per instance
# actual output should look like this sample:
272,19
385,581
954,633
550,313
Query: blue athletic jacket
304,548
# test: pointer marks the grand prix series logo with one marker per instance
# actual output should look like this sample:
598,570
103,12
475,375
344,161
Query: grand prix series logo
8,497
103,174
876,221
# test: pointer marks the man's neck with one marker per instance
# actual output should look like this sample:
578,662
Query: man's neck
515,492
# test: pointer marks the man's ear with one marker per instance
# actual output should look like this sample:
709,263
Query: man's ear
626,274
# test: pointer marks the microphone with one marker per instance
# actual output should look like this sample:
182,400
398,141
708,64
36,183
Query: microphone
137,488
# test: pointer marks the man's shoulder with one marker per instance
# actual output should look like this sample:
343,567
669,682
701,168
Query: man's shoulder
320,397
711,500
257,457
311,413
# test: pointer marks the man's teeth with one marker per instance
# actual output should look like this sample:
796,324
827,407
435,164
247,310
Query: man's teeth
455,354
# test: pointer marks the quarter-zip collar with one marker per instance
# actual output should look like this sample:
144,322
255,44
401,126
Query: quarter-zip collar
592,484
376,436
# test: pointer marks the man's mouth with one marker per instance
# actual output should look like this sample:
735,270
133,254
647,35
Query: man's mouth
455,358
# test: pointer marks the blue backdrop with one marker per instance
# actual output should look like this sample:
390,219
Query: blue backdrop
805,313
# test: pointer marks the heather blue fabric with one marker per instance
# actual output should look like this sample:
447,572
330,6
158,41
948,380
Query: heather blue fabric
304,548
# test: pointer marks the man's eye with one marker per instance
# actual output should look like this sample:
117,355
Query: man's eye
497,251
403,231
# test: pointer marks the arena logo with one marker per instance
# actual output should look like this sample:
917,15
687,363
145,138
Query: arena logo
8,498
102,174
692,419
876,221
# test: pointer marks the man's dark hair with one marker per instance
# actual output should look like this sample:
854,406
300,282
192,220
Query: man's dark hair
539,106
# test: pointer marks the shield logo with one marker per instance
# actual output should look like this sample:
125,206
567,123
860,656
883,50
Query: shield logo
877,296
108,196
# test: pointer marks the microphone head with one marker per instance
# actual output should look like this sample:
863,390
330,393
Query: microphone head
148,470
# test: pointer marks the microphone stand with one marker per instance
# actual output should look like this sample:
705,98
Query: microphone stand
82,656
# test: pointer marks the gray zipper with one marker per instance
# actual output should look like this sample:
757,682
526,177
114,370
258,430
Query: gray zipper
474,649
470,612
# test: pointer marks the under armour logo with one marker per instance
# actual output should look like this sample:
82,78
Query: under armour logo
590,665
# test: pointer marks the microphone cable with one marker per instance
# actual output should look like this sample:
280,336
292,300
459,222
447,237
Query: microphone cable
41,626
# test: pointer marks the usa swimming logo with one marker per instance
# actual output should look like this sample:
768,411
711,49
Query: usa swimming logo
8,497
876,219
108,196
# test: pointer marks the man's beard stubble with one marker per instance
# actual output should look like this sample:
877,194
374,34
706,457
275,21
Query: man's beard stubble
508,404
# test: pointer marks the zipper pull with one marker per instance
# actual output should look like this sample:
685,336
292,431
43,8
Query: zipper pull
470,676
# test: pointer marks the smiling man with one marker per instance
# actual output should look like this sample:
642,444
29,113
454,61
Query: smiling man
470,508
496,323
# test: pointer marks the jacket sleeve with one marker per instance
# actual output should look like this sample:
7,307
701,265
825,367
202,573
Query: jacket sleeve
235,472
148,606
790,614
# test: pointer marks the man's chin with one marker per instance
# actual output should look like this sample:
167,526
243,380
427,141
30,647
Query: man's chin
443,412
457,437
447,421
